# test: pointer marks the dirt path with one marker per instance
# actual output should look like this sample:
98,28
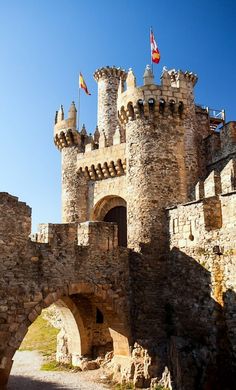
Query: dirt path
26,375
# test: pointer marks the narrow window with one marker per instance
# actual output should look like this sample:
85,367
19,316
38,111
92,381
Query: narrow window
99,317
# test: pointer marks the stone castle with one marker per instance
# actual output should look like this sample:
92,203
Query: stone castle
144,261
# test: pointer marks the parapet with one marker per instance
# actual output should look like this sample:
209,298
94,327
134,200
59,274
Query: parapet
170,99
217,182
103,163
211,216
15,220
178,78
65,133
107,72
98,236
58,234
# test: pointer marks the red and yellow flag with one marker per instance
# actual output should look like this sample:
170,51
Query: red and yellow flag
82,84
154,49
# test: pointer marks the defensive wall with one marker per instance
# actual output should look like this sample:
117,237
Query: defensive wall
77,264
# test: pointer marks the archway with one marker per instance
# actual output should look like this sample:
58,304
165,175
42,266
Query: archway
78,302
113,209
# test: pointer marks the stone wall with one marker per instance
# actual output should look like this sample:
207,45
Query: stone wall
61,261
203,234
220,147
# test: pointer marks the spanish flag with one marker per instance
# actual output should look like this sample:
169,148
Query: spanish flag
82,84
155,54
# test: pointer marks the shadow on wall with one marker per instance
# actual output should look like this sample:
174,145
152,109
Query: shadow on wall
187,329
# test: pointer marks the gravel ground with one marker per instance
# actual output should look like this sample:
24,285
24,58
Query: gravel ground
26,375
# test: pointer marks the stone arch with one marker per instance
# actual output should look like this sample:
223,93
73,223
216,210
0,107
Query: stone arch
73,324
107,301
113,209
104,205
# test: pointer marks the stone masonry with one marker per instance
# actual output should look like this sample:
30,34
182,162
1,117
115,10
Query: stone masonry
144,261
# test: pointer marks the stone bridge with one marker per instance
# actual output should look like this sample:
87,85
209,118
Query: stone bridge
78,266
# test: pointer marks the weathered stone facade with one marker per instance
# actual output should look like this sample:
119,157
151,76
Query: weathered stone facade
159,178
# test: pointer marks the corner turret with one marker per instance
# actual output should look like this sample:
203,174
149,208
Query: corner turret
65,133
74,186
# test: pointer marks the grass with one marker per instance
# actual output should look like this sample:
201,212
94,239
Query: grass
53,365
125,386
41,336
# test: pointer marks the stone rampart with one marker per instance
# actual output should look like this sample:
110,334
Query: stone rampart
205,230
62,260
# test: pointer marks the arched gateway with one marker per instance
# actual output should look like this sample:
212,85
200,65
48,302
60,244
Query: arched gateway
72,265
112,208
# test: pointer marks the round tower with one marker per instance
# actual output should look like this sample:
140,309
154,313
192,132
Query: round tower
155,180
74,185
109,79
156,120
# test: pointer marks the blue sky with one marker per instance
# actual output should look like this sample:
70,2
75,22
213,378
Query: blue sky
43,46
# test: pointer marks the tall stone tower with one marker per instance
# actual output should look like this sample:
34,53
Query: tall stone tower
109,80
74,187
161,151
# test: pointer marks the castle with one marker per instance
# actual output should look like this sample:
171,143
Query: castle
144,261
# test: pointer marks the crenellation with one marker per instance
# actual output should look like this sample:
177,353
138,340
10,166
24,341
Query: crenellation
212,184
65,133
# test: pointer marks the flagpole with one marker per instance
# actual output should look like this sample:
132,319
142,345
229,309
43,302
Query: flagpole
78,117
151,49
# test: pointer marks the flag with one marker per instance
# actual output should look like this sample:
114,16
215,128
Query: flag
155,54
82,84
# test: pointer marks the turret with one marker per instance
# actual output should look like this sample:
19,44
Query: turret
65,133
74,186
148,77
109,80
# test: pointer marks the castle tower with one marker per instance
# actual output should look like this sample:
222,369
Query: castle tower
109,80
74,185
157,121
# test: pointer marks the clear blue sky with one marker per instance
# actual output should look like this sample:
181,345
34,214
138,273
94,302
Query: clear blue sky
43,46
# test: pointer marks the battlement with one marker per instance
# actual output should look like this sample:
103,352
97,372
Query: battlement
103,163
65,133
213,209
107,72
178,78
94,235
170,99
217,183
